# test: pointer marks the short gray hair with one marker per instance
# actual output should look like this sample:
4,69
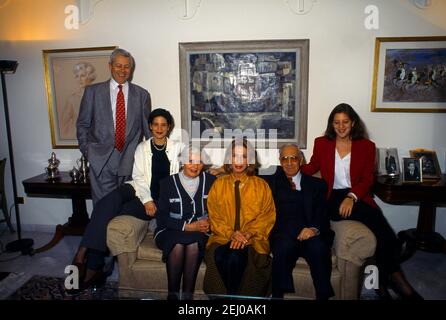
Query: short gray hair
192,149
124,53
286,145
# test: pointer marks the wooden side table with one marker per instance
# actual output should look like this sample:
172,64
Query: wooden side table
63,187
427,195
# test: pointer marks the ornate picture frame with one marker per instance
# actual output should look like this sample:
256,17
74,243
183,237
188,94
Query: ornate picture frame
409,74
412,172
255,88
67,72
388,163
429,163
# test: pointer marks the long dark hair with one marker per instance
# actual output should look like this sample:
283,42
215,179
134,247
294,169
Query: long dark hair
359,131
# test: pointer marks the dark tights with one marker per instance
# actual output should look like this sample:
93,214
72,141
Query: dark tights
183,262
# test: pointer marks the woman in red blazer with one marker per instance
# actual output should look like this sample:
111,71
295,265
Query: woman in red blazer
346,160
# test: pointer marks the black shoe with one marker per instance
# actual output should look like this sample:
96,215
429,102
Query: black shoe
408,246
414,296
73,292
173,296
97,280
404,296
82,269
187,296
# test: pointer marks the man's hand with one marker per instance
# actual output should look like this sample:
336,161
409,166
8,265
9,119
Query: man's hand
345,209
306,234
150,208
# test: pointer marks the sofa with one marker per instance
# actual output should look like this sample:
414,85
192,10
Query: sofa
140,266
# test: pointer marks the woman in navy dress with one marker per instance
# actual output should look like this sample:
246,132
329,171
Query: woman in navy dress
182,222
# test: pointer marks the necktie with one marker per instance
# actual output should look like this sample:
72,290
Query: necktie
292,184
237,205
120,121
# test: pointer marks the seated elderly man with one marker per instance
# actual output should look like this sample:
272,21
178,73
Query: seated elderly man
302,227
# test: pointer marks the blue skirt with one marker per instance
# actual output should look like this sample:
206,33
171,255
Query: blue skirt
167,239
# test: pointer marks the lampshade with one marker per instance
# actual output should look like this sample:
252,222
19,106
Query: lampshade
8,66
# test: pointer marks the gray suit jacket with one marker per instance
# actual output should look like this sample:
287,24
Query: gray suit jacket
95,128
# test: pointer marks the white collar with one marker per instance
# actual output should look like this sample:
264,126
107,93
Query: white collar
297,179
114,84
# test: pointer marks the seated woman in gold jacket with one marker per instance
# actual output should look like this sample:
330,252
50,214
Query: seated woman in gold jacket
241,214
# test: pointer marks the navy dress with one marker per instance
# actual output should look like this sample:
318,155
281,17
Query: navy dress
176,208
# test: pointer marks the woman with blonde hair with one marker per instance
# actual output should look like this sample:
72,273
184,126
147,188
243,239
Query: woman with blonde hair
242,214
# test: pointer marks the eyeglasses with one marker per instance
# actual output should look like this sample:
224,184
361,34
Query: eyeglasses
289,159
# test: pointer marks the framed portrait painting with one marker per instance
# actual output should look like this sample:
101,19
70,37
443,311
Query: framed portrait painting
258,89
409,75
429,163
67,73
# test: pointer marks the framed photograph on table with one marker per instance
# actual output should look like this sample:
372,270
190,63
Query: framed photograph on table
409,75
412,170
387,162
258,89
67,73
429,163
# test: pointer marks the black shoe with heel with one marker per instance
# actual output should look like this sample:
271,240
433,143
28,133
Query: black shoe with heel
97,280
413,296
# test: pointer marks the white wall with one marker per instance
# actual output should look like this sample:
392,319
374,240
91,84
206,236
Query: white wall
341,64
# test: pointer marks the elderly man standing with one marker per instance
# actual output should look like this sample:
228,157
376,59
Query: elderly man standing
302,226
112,120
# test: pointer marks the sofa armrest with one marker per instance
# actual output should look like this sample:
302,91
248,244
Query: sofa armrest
125,233
353,241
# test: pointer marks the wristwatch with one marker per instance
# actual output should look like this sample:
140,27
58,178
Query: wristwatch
351,197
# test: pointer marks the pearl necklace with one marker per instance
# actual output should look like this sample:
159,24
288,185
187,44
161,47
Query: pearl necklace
159,149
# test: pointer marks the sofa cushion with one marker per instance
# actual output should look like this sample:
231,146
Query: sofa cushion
301,261
357,243
149,251
124,234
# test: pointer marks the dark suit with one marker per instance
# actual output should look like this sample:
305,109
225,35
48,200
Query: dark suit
412,176
296,210
96,135
390,164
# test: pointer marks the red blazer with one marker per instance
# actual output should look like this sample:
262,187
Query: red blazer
362,166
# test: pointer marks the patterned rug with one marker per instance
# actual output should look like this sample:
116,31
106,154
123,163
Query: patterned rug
51,288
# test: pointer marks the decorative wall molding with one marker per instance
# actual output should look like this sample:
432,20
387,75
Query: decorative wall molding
300,7
186,9
422,4
86,9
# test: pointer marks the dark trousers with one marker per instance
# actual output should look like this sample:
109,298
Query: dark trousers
231,265
315,251
388,247
108,180
120,201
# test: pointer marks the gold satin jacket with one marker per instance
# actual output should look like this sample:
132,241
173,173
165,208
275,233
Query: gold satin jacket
257,211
